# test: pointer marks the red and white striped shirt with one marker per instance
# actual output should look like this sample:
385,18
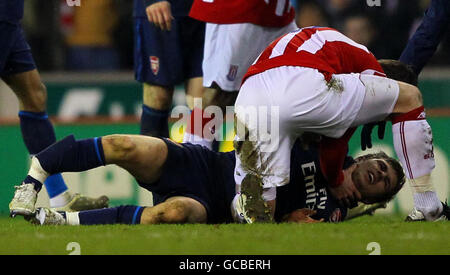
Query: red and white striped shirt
324,49
266,13
330,52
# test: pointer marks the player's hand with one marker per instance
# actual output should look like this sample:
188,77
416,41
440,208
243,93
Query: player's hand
302,216
160,14
346,193
366,139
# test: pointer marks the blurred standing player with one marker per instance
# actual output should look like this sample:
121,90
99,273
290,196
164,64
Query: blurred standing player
168,51
237,31
18,70
426,39
417,53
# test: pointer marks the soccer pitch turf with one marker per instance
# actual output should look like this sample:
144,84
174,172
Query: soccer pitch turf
392,234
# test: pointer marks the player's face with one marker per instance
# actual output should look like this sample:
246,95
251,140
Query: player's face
373,178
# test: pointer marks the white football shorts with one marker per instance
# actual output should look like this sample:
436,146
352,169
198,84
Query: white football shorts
230,49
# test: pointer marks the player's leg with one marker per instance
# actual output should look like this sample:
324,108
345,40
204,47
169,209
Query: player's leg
413,142
192,43
202,134
194,90
240,45
157,66
411,133
142,156
157,101
175,210
19,72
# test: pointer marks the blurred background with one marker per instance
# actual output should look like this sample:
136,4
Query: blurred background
98,35
85,56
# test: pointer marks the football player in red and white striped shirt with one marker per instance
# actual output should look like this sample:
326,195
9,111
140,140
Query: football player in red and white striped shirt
318,80
237,31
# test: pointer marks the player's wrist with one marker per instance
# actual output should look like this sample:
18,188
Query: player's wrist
151,2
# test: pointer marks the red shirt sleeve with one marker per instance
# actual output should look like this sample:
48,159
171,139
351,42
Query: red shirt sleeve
332,155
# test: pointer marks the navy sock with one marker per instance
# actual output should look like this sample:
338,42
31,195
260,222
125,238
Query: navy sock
70,155
154,122
37,184
127,214
38,134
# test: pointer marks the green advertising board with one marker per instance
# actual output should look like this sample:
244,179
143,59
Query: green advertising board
124,98
122,189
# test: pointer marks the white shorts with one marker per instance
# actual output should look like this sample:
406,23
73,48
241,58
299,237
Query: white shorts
230,49
300,100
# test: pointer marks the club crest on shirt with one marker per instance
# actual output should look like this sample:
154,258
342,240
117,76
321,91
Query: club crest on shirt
154,64
336,216
232,73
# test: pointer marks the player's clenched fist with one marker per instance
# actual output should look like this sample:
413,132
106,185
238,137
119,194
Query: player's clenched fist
160,14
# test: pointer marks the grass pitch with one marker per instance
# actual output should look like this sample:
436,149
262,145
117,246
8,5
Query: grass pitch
392,234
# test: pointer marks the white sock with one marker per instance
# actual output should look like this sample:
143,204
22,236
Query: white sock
60,200
72,218
429,204
36,171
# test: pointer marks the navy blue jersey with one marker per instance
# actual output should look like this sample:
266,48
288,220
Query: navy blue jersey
11,10
308,188
179,7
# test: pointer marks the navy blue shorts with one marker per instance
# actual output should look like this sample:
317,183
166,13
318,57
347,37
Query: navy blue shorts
201,174
168,58
15,53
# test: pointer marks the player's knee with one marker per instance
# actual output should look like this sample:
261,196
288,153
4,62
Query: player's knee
177,211
121,146
415,97
184,210
409,99
158,97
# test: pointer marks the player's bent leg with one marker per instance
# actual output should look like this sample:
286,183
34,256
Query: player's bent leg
215,96
194,89
175,210
37,132
143,157
157,101
413,143
409,98
211,97
29,89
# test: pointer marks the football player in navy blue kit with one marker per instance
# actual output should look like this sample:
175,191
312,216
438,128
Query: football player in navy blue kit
168,51
18,71
196,185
